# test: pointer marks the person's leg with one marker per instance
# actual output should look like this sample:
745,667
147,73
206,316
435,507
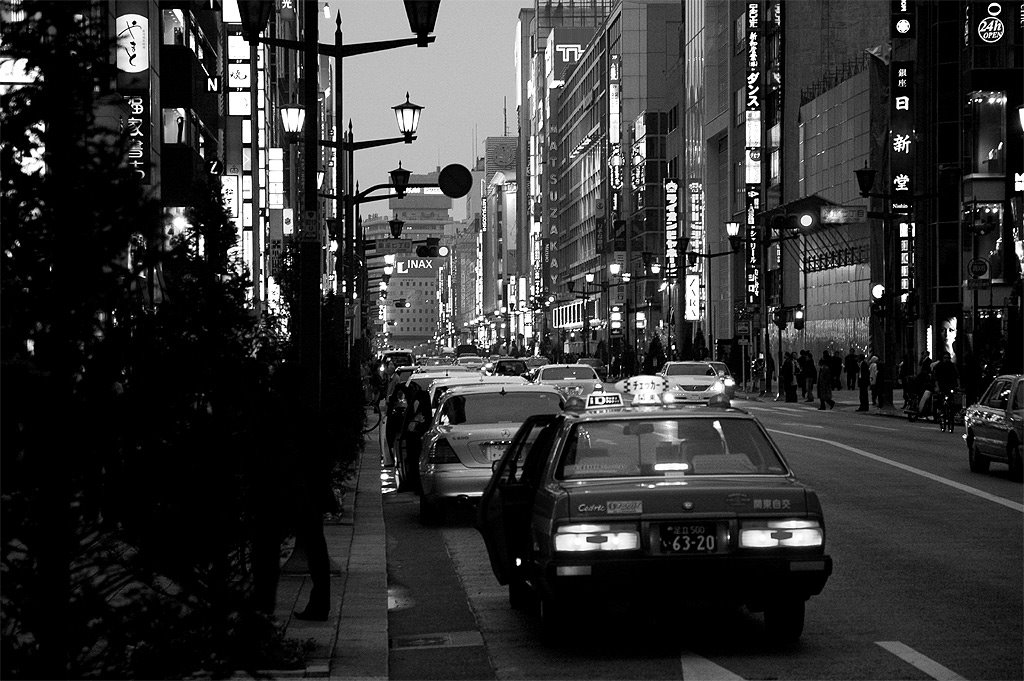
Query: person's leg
310,534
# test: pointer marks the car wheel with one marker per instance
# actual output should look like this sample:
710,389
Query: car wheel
784,620
1016,464
977,462
520,595
431,511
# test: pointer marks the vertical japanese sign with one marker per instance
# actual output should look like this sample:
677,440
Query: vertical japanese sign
695,289
902,147
133,81
754,98
671,228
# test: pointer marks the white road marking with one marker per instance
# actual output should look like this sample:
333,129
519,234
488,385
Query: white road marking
910,469
925,664
891,430
696,667
795,410
804,425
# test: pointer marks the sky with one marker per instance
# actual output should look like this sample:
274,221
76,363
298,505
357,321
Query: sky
465,80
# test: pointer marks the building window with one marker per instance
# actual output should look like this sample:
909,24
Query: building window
740,109
739,34
986,143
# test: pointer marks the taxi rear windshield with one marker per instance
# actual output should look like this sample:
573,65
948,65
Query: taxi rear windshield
668,448
689,370
562,373
496,407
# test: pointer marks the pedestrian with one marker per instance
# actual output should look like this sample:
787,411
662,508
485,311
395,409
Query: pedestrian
836,365
851,366
291,492
808,374
825,382
863,382
757,373
769,374
873,379
788,377
905,377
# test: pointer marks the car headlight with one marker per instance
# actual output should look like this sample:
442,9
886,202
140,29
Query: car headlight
597,537
717,387
761,534
729,382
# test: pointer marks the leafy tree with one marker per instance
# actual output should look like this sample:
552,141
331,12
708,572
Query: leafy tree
125,489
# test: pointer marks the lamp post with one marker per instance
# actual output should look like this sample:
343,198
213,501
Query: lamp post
255,14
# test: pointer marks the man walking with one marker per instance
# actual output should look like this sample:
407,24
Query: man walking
851,365
863,381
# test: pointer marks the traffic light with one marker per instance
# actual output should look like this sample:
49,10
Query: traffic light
798,319
432,249
879,300
801,220
779,317
402,302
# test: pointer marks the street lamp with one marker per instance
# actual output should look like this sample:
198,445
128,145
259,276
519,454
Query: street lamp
396,227
408,115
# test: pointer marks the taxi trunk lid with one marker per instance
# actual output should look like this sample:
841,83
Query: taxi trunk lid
655,498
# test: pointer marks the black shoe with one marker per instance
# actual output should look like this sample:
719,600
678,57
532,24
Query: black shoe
832,405
821,407
862,408
311,614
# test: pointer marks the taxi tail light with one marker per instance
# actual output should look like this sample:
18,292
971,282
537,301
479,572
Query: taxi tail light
766,534
597,537
442,452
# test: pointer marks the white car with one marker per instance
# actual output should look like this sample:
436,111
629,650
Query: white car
439,386
569,379
692,381
472,361
471,427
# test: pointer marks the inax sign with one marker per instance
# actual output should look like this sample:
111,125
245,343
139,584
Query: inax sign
415,267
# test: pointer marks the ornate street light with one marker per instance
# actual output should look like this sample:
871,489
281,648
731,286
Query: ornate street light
400,179
422,16
396,228
292,118
733,230
408,116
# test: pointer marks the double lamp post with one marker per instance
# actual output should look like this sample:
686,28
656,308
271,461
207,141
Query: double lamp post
254,15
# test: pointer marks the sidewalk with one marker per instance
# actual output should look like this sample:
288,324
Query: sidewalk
846,400
353,642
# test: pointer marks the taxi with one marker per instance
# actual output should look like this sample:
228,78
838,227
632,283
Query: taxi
653,502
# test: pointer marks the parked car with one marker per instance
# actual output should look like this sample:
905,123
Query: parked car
692,381
470,430
570,379
439,386
655,502
994,426
407,418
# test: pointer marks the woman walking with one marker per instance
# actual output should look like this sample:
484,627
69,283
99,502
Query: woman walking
825,382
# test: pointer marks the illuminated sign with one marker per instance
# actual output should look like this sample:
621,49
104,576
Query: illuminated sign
991,28
671,227
753,98
902,149
132,43
902,19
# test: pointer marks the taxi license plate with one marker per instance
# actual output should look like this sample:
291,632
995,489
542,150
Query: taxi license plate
494,452
689,538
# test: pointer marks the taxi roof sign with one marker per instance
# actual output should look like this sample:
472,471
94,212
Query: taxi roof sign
642,383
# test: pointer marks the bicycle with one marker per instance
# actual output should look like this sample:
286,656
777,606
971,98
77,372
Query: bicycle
945,410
